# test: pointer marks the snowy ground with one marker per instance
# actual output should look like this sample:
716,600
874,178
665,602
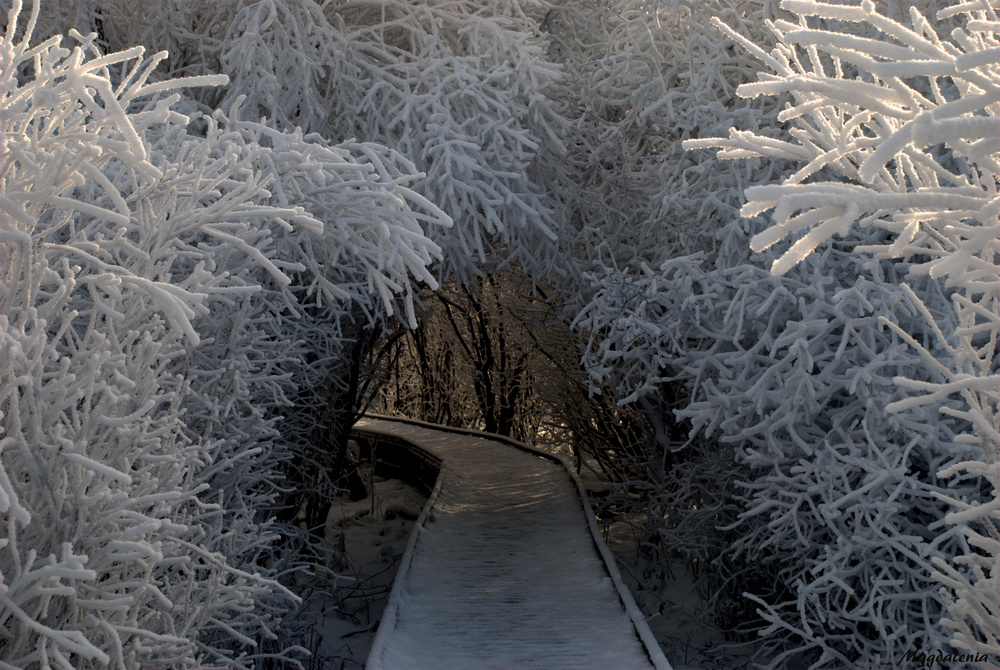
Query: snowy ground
674,609
370,534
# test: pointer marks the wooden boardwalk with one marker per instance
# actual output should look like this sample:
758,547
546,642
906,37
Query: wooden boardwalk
505,568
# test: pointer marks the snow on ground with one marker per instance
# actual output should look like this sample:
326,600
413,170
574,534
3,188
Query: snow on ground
369,536
506,574
673,607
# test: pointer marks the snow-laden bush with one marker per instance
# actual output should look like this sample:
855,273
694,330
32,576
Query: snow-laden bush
462,89
837,495
845,494
641,77
465,90
162,294
901,133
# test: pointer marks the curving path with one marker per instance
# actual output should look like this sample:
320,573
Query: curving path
505,568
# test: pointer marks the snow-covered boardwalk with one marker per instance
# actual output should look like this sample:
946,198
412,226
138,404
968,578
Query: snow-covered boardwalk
505,569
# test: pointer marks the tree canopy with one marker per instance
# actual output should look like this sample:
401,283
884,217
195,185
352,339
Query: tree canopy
740,256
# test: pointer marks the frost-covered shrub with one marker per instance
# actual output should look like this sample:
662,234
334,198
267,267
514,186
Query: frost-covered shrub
897,132
845,494
641,77
462,89
900,132
836,495
159,292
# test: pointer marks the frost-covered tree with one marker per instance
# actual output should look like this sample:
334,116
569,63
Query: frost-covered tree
901,133
466,91
162,295
642,77
462,89
791,373
843,493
